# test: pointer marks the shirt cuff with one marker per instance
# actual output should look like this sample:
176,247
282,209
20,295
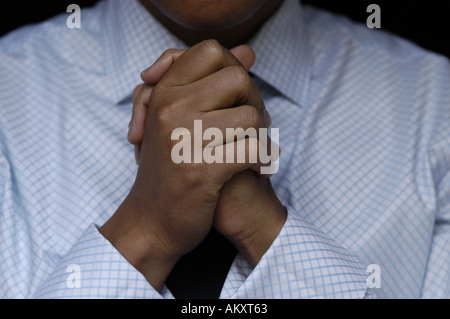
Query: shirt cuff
303,262
94,269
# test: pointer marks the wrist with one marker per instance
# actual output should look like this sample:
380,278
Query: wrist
141,247
255,242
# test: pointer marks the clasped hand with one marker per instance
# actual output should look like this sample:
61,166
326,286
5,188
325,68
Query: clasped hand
172,207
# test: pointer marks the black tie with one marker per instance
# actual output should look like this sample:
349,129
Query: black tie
201,273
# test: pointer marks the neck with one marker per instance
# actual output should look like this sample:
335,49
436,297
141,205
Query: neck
229,38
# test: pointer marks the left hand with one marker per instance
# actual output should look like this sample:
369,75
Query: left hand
248,212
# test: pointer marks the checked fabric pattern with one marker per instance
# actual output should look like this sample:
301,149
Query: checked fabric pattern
364,121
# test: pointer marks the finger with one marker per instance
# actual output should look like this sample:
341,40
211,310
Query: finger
228,87
229,125
202,60
228,159
139,114
259,154
269,154
245,55
154,73
137,153
136,91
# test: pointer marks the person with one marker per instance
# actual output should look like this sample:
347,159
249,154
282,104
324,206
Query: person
363,177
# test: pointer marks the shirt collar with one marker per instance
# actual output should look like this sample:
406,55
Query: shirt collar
282,52
133,40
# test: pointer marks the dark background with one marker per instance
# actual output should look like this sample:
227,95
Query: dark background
426,23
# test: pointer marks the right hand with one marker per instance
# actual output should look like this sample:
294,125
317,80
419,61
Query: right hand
170,208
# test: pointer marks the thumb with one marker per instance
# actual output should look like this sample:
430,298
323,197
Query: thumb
245,55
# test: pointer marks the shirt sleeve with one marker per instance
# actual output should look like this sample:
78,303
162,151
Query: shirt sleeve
94,269
437,276
303,262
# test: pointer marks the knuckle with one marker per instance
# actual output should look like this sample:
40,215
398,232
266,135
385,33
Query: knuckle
166,113
211,48
169,53
240,77
164,108
212,45
251,117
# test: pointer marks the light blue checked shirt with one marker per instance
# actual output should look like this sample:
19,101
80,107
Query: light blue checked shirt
364,121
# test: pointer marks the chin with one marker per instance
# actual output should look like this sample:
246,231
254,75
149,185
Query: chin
217,21
214,15
213,25
208,15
